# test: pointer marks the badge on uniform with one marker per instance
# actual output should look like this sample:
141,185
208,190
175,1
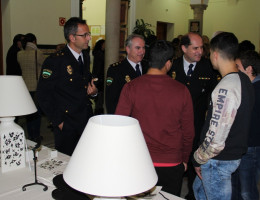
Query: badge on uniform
218,77
173,75
127,78
109,81
69,69
204,78
46,73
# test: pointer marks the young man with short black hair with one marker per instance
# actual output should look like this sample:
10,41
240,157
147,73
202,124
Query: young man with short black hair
224,135
245,179
163,107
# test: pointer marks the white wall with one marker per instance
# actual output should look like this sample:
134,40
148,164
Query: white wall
40,17
242,17
177,12
6,29
94,12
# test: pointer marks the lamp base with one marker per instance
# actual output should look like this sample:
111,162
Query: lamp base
12,145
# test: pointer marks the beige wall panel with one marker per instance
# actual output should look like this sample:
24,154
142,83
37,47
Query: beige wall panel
240,17
94,11
171,11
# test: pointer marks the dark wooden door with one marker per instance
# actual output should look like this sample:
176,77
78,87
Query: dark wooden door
161,30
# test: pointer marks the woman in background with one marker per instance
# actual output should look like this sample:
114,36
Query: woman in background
98,72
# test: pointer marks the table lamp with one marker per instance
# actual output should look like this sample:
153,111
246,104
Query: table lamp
15,101
111,160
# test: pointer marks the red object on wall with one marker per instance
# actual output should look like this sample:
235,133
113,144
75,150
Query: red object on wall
62,21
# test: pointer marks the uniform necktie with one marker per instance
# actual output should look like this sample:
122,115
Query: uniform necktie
189,73
137,69
81,65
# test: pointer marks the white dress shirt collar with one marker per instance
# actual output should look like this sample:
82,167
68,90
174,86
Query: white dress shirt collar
75,54
186,65
133,64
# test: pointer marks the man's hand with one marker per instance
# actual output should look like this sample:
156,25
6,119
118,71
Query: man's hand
198,171
92,90
61,126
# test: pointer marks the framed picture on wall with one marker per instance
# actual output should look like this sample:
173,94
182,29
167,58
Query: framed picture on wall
123,35
123,12
195,26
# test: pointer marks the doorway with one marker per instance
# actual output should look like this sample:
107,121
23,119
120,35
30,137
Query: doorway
164,31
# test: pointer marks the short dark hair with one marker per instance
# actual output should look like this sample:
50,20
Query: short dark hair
98,45
245,45
160,52
18,38
250,58
185,40
226,44
176,42
128,42
71,27
29,37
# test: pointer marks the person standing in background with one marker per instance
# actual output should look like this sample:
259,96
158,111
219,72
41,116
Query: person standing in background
98,72
31,60
120,73
246,178
12,65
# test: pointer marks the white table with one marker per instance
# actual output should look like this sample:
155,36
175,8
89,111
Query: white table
11,183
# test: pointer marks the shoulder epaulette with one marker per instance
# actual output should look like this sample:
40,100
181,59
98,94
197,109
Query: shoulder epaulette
57,54
116,63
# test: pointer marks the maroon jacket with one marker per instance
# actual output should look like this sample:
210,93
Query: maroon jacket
164,110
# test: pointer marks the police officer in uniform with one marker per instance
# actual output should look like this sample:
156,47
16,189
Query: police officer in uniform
198,75
118,74
66,85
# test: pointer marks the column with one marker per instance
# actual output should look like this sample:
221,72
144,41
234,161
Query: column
112,33
198,10
131,16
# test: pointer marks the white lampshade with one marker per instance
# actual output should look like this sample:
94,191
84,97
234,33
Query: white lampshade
15,98
111,159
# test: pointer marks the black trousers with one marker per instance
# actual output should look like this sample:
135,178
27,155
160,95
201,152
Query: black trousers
170,178
66,139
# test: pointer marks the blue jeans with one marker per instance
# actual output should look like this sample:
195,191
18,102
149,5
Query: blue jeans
216,180
236,189
249,172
